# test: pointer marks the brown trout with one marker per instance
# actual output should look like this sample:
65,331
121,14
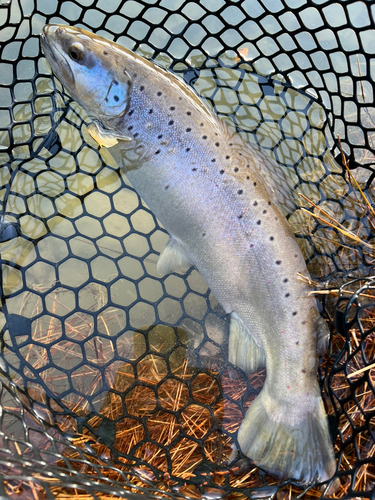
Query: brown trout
209,190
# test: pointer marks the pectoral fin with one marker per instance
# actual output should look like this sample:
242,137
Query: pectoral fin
173,258
244,350
103,137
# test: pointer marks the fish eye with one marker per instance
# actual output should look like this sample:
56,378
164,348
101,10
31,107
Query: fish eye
76,51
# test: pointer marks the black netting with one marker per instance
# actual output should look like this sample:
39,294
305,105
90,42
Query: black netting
116,381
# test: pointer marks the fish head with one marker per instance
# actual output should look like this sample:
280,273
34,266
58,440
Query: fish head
90,68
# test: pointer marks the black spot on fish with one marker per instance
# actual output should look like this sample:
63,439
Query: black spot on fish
213,160
136,134
172,108
204,234
202,124
130,127
141,88
236,169
115,82
194,169
286,280
180,98
150,111
187,150
247,166
303,371
227,157
240,216
278,262
254,184
222,171
272,238
269,203
264,211
251,245
295,313
217,144
304,322
248,178
171,122
188,129
295,255
188,113
116,98
159,93
287,295
204,137
167,186
160,136
105,53
297,343
131,112
230,144
157,152
240,191
259,222
255,203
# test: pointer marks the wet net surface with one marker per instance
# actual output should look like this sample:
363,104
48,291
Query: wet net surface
116,381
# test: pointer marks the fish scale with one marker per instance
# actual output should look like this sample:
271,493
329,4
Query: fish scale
218,202
219,187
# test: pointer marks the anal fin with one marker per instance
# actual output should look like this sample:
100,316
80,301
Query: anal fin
173,258
244,351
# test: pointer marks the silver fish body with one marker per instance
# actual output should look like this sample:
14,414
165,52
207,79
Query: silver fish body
208,189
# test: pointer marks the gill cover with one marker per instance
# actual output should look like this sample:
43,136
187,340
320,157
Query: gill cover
115,98
90,68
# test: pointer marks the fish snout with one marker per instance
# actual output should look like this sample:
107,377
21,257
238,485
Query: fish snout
51,30
54,39
47,41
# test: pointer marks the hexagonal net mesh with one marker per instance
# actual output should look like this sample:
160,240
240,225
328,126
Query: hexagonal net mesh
116,381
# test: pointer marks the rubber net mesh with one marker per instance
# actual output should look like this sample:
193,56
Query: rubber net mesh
115,381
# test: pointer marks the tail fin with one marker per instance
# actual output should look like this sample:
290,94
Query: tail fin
302,451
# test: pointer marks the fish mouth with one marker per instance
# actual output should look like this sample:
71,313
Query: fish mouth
55,56
44,42
46,47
